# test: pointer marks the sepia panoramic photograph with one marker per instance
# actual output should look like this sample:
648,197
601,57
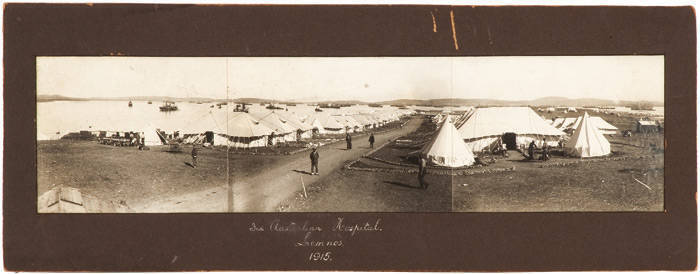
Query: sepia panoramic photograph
125,134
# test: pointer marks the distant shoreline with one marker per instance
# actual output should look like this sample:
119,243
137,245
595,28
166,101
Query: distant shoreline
541,102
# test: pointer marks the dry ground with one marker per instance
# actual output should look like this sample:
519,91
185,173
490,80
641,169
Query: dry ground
359,191
159,181
586,186
136,177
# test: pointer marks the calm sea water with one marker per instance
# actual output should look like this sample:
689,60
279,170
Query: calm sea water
658,111
55,119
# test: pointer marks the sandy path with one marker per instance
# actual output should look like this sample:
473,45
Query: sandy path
264,192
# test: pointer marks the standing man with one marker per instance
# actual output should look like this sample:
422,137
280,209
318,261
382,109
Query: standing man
271,139
422,163
194,156
531,150
371,140
348,140
314,161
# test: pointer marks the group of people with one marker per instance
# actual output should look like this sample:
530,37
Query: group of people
545,151
348,140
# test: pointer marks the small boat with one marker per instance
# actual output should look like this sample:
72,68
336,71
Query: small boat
318,110
240,108
168,106
131,104
271,106
149,102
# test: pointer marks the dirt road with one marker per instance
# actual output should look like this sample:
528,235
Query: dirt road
263,192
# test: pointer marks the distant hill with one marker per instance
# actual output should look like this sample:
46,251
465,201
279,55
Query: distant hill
48,98
544,101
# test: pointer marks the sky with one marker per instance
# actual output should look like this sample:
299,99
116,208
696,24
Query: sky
368,79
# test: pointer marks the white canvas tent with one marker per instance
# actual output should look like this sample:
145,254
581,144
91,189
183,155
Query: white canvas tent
596,121
283,131
587,140
243,131
447,148
303,129
558,121
604,126
567,123
325,124
487,125
151,136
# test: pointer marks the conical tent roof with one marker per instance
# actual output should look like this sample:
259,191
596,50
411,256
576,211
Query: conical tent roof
587,140
447,148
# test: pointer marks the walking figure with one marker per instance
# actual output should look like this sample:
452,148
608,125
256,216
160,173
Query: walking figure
348,140
371,140
422,163
194,156
314,161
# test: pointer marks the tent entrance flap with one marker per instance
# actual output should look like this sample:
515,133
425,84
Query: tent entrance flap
508,138
209,137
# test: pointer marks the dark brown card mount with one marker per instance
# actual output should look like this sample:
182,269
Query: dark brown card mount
409,241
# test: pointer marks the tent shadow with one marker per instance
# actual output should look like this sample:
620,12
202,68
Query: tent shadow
189,164
401,184
301,171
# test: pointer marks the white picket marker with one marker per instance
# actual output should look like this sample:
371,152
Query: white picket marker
638,181
303,187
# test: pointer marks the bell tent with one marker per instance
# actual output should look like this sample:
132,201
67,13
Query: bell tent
587,140
447,148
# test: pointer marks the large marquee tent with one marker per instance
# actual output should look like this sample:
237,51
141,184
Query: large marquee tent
486,125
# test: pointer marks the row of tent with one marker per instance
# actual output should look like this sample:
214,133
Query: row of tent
258,129
572,123
482,128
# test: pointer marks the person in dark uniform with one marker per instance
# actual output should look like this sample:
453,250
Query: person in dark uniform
422,163
531,150
348,140
314,161
270,139
194,156
371,140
